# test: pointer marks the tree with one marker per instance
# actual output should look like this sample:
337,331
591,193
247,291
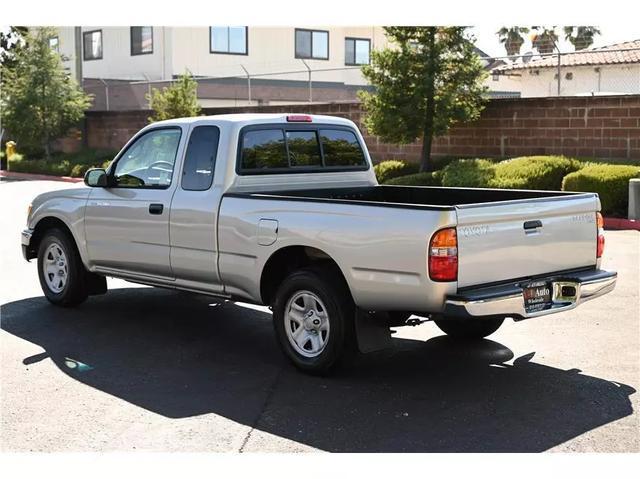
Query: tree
39,100
177,101
512,38
544,39
11,38
580,37
429,79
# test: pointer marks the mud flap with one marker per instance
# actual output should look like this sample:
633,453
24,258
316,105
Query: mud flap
371,334
95,283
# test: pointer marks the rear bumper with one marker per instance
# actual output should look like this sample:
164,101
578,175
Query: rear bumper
506,300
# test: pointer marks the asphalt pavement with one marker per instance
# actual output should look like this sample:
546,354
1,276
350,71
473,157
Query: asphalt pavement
144,369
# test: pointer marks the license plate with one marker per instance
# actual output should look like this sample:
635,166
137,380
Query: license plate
537,296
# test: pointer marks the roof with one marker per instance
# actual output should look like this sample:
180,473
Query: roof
618,53
256,118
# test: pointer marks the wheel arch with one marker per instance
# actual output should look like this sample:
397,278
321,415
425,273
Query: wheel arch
40,229
291,258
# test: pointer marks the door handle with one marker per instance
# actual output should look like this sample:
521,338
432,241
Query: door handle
156,208
529,225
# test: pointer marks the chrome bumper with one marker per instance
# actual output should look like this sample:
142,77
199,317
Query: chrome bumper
26,241
507,300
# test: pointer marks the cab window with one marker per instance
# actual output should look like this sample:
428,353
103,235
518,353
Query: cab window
149,161
200,159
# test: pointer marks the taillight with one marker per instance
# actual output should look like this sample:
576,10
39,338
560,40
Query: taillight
443,255
600,225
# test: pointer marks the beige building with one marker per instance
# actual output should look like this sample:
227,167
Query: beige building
614,69
124,62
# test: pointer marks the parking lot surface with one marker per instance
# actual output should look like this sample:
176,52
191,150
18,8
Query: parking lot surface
144,369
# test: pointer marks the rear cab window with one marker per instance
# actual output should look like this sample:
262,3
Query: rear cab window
272,149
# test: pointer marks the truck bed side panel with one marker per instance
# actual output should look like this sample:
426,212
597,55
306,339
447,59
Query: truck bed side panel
381,251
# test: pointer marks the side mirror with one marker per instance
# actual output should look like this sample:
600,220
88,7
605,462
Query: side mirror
96,177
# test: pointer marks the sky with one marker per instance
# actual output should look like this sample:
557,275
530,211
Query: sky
487,40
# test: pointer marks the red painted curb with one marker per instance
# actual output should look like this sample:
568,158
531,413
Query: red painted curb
621,224
33,176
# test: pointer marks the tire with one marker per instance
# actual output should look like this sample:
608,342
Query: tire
317,300
57,251
469,328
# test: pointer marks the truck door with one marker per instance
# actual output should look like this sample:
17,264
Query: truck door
194,212
127,223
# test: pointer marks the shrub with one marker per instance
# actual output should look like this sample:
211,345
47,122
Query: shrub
426,178
389,169
533,172
473,173
75,164
611,182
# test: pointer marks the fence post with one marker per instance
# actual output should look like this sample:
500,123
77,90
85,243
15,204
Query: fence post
106,93
248,82
559,71
310,84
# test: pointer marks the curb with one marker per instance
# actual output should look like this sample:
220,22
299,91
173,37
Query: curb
37,177
621,224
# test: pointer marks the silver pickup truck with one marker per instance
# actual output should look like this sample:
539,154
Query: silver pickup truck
285,211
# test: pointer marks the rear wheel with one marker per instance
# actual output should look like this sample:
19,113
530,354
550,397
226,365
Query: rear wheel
313,318
469,328
60,269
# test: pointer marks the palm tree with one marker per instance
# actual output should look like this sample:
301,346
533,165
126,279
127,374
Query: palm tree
580,37
545,39
512,38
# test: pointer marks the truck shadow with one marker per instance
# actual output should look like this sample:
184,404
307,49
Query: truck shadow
179,356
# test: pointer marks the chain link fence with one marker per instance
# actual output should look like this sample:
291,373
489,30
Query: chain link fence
594,72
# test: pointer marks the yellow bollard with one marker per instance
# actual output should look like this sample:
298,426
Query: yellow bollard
10,148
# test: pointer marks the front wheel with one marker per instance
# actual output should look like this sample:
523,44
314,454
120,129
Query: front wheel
469,328
60,269
313,318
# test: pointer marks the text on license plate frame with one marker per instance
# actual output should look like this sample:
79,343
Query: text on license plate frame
537,296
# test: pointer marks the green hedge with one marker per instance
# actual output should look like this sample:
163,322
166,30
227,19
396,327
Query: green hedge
75,164
387,170
471,173
533,172
427,178
611,182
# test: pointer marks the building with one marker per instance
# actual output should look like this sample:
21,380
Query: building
613,69
235,65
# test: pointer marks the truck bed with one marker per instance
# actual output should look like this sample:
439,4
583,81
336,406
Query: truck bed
429,197
502,234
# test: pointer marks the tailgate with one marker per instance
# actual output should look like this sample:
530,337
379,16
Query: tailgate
516,239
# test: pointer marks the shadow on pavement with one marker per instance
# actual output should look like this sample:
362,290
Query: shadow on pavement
175,355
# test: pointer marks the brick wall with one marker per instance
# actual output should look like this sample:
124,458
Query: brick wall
599,127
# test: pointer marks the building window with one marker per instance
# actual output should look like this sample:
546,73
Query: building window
312,44
230,40
54,44
92,45
141,40
356,51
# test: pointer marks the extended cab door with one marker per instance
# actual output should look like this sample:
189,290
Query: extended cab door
127,223
194,212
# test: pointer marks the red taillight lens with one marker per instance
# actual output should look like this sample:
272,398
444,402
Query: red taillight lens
300,118
600,225
443,255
